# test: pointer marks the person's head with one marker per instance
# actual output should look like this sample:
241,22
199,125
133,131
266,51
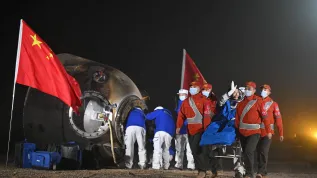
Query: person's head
145,97
183,94
158,107
266,90
242,89
207,88
250,88
194,88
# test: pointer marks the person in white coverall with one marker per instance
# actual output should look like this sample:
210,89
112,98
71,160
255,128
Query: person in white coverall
135,132
181,140
164,132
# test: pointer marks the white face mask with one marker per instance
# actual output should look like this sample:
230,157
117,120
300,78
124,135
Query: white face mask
193,91
205,93
182,98
264,94
248,93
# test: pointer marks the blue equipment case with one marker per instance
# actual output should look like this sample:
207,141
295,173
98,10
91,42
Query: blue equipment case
45,160
23,154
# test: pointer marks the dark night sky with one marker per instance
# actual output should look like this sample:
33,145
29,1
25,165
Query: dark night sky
270,42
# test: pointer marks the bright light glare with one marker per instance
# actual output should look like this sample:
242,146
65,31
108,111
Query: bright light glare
315,135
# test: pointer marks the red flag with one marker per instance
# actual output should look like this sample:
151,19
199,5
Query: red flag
190,72
38,67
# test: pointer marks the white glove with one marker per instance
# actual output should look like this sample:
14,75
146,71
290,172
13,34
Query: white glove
233,88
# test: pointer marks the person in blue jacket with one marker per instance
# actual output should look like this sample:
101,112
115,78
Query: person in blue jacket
135,132
164,132
181,139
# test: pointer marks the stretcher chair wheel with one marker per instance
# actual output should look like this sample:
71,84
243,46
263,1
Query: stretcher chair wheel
238,175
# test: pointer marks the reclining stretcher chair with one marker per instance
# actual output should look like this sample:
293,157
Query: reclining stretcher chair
221,134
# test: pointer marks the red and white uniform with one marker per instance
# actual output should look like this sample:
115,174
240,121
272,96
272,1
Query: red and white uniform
272,114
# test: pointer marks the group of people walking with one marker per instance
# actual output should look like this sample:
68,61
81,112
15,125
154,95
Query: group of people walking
253,116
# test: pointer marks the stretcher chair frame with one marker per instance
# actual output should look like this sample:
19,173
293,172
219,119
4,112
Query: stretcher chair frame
236,148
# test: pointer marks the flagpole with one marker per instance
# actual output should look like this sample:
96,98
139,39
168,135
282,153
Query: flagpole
183,68
15,78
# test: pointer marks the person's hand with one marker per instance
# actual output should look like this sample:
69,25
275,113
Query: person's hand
233,88
177,130
281,138
269,135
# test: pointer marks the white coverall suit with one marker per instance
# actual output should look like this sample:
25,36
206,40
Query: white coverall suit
164,132
181,143
135,131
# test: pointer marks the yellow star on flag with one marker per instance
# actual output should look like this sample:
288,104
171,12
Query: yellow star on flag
36,41
49,56
196,76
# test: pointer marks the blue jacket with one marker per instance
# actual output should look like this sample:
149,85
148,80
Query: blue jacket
227,111
136,118
221,130
183,130
163,121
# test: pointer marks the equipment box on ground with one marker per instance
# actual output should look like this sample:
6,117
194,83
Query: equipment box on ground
45,160
23,154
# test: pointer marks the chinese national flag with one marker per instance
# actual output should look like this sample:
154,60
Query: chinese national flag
38,67
190,72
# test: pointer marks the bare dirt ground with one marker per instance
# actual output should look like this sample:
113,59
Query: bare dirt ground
285,162
123,173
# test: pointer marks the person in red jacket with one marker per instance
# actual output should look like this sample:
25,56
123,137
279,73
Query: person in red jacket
248,120
215,163
196,109
212,99
270,112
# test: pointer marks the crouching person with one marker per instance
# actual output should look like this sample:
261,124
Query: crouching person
164,132
135,132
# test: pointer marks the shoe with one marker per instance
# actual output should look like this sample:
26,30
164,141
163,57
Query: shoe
220,172
214,175
259,176
238,175
201,174
191,169
143,167
176,168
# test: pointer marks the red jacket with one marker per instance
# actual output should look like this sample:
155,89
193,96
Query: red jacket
253,116
186,111
212,101
273,115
